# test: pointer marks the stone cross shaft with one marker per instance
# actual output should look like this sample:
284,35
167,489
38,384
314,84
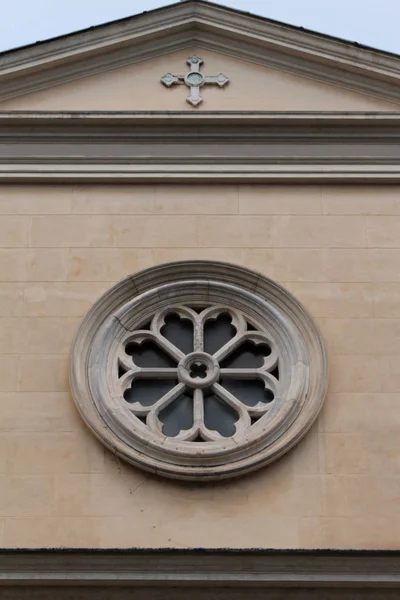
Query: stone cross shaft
194,80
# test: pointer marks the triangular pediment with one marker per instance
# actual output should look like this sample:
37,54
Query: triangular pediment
251,87
270,66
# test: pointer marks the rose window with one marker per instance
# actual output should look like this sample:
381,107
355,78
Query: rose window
198,370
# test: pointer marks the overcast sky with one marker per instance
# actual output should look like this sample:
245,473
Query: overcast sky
371,22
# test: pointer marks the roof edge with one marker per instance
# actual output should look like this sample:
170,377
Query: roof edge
123,20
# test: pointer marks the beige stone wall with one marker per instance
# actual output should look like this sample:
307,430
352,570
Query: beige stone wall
337,249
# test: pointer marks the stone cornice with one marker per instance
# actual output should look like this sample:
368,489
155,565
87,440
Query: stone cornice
201,146
205,25
202,569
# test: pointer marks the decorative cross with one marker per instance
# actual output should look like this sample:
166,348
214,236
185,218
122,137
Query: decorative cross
195,80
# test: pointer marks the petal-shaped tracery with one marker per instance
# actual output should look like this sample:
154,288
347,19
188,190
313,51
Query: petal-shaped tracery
217,332
219,416
148,354
147,392
177,416
198,375
248,355
178,331
251,392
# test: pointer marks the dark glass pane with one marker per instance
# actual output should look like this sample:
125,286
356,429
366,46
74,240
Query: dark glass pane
218,416
148,391
250,327
121,371
177,416
248,391
198,309
179,332
275,372
148,354
217,332
198,371
247,356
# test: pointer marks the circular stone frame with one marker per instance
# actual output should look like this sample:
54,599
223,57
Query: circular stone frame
122,308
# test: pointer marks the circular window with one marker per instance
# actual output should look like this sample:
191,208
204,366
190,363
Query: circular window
198,370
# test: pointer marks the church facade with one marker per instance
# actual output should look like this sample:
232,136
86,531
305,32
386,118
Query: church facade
243,176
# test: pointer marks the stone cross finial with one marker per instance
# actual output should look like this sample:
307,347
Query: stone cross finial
194,80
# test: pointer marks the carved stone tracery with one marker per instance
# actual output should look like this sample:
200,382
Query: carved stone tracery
208,376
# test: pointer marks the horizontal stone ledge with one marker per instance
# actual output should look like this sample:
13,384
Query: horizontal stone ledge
170,568
38,124
371,117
